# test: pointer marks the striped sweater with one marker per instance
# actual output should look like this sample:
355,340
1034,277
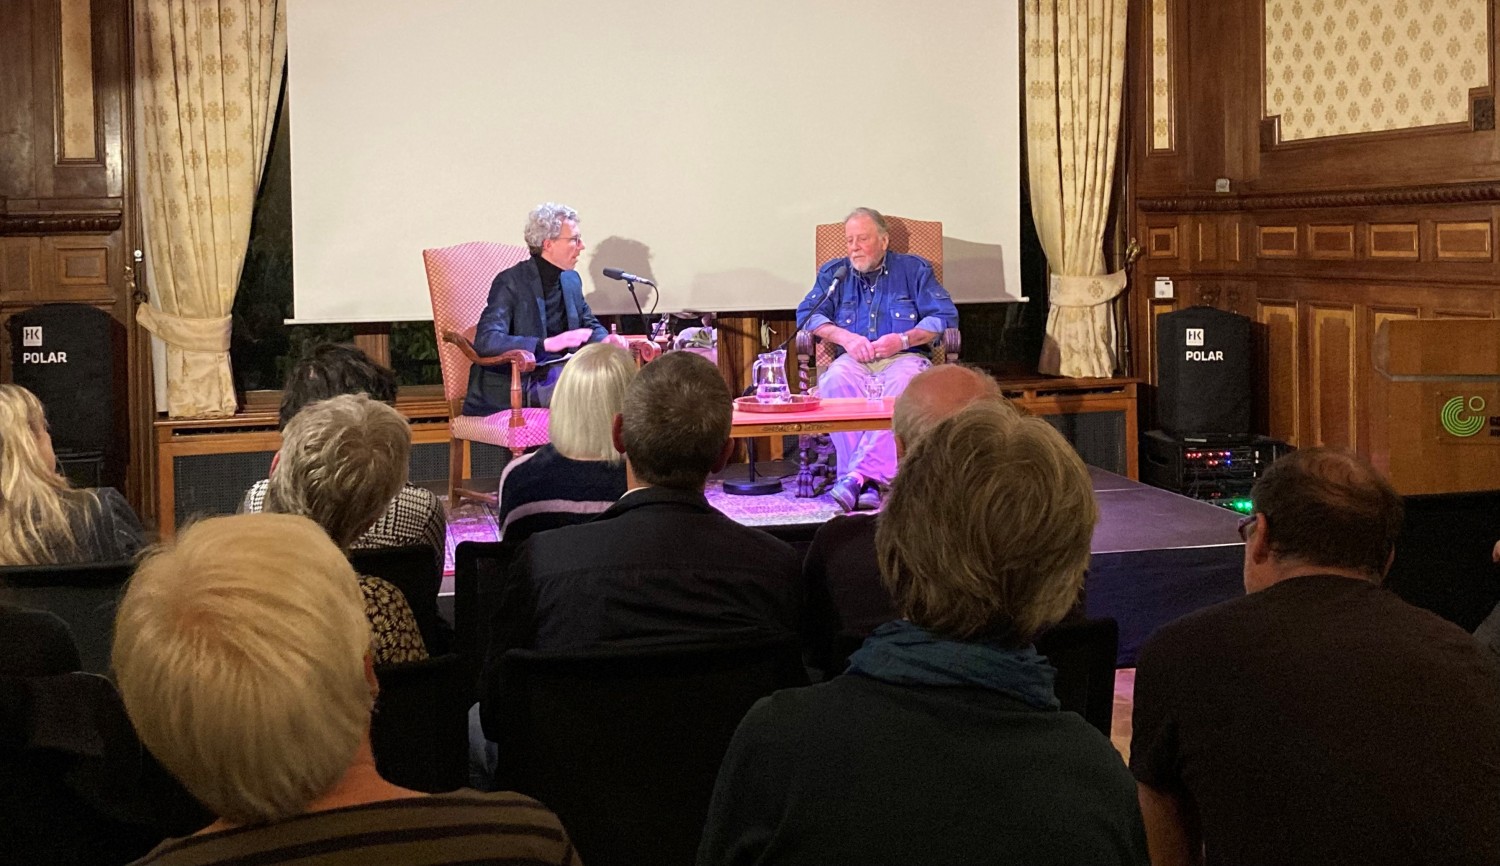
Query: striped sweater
544,490
461,827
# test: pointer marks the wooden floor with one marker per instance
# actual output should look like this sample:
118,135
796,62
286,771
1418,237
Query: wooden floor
1119,728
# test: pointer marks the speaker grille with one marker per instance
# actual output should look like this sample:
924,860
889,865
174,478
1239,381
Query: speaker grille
1098,437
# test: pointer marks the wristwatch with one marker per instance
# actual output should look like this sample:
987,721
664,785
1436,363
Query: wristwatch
905,342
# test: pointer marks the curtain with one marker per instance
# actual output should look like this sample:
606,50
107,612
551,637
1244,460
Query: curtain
207,77
1075,69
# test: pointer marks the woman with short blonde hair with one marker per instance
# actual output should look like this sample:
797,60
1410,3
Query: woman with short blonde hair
983,543
242,654
43,519
579,474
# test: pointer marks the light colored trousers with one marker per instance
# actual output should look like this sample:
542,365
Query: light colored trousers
870,453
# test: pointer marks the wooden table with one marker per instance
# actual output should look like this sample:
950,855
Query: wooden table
833,415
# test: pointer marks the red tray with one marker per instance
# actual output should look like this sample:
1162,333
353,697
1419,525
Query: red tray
799,403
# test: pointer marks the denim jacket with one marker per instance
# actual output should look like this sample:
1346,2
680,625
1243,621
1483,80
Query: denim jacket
904,295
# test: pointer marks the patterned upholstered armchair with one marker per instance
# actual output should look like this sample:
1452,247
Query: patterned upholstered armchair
459,279
917,237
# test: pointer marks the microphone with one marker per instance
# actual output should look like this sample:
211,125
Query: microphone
617,274
838,277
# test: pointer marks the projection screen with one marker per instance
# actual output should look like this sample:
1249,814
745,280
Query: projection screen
701,141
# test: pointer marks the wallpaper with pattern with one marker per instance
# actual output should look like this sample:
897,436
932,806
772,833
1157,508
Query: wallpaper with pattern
1161,77
1335,67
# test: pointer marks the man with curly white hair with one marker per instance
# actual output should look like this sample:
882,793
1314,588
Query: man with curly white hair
536,306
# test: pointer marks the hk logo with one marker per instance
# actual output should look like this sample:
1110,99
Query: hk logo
31,335
1195,336
1463,416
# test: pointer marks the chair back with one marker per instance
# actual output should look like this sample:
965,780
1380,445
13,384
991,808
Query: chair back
459,279
420,729
625,744
915,237
480,569
1083,652
414,571
83,595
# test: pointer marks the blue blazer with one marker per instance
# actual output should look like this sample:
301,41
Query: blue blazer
515,317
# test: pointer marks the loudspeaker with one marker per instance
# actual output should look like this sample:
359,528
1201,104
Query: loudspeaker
1203,369
72,357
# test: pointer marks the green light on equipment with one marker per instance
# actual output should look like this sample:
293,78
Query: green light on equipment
1243,506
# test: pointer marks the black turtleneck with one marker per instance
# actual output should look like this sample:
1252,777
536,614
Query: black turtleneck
557,314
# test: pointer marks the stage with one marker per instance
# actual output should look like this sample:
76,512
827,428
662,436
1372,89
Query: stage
1156,555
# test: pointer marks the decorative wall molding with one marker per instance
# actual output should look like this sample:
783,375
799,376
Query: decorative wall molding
1479,192
88,222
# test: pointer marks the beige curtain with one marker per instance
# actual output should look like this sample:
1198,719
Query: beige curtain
207,77
1075,69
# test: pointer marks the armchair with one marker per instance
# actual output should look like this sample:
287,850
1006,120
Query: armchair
459,278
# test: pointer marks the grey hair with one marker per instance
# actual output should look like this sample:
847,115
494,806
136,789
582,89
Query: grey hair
872,215
342,462
939,393
545,223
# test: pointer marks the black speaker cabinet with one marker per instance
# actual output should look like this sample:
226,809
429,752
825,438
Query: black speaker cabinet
72,357
1203,368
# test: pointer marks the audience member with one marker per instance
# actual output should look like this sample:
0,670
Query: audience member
579,474
244,660
662,565
1319,719
414,516
341,461
43,520
843,579
943,744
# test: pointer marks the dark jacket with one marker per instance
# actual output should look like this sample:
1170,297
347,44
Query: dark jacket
515,317
659,567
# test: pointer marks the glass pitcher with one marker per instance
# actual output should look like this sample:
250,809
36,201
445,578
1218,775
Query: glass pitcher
769,376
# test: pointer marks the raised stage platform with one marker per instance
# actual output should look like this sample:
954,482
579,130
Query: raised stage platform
1156,555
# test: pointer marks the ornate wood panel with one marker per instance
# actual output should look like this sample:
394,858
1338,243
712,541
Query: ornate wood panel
65,217
1321,239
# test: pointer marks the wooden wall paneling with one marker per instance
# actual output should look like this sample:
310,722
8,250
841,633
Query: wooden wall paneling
1330,241
1463,240
1276,241
1279,345
1393,240
1333,342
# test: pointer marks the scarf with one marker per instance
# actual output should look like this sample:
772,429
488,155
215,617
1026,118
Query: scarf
903,653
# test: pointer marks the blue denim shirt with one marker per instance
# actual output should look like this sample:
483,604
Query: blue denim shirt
903,295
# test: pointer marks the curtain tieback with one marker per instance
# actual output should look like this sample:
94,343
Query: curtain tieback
189,335
1069,291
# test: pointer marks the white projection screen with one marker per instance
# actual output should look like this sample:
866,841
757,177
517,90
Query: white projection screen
700,141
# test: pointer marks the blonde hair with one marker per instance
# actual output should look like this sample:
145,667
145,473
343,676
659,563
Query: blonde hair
240,654
342,462
986,532
589,394
36,522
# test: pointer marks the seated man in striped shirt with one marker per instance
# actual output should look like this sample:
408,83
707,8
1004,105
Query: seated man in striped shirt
243,658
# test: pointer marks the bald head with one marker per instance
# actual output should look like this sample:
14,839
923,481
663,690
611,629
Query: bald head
936,394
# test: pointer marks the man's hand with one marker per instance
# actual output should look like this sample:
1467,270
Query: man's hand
859,348
887,346
617,340
1495,554
567,340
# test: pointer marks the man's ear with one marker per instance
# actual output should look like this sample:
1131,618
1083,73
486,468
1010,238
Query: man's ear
617,432
900,447
275,459
724,454
1258,547
1389,561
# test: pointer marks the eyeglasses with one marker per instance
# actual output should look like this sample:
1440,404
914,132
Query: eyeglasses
1243,527
576,240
